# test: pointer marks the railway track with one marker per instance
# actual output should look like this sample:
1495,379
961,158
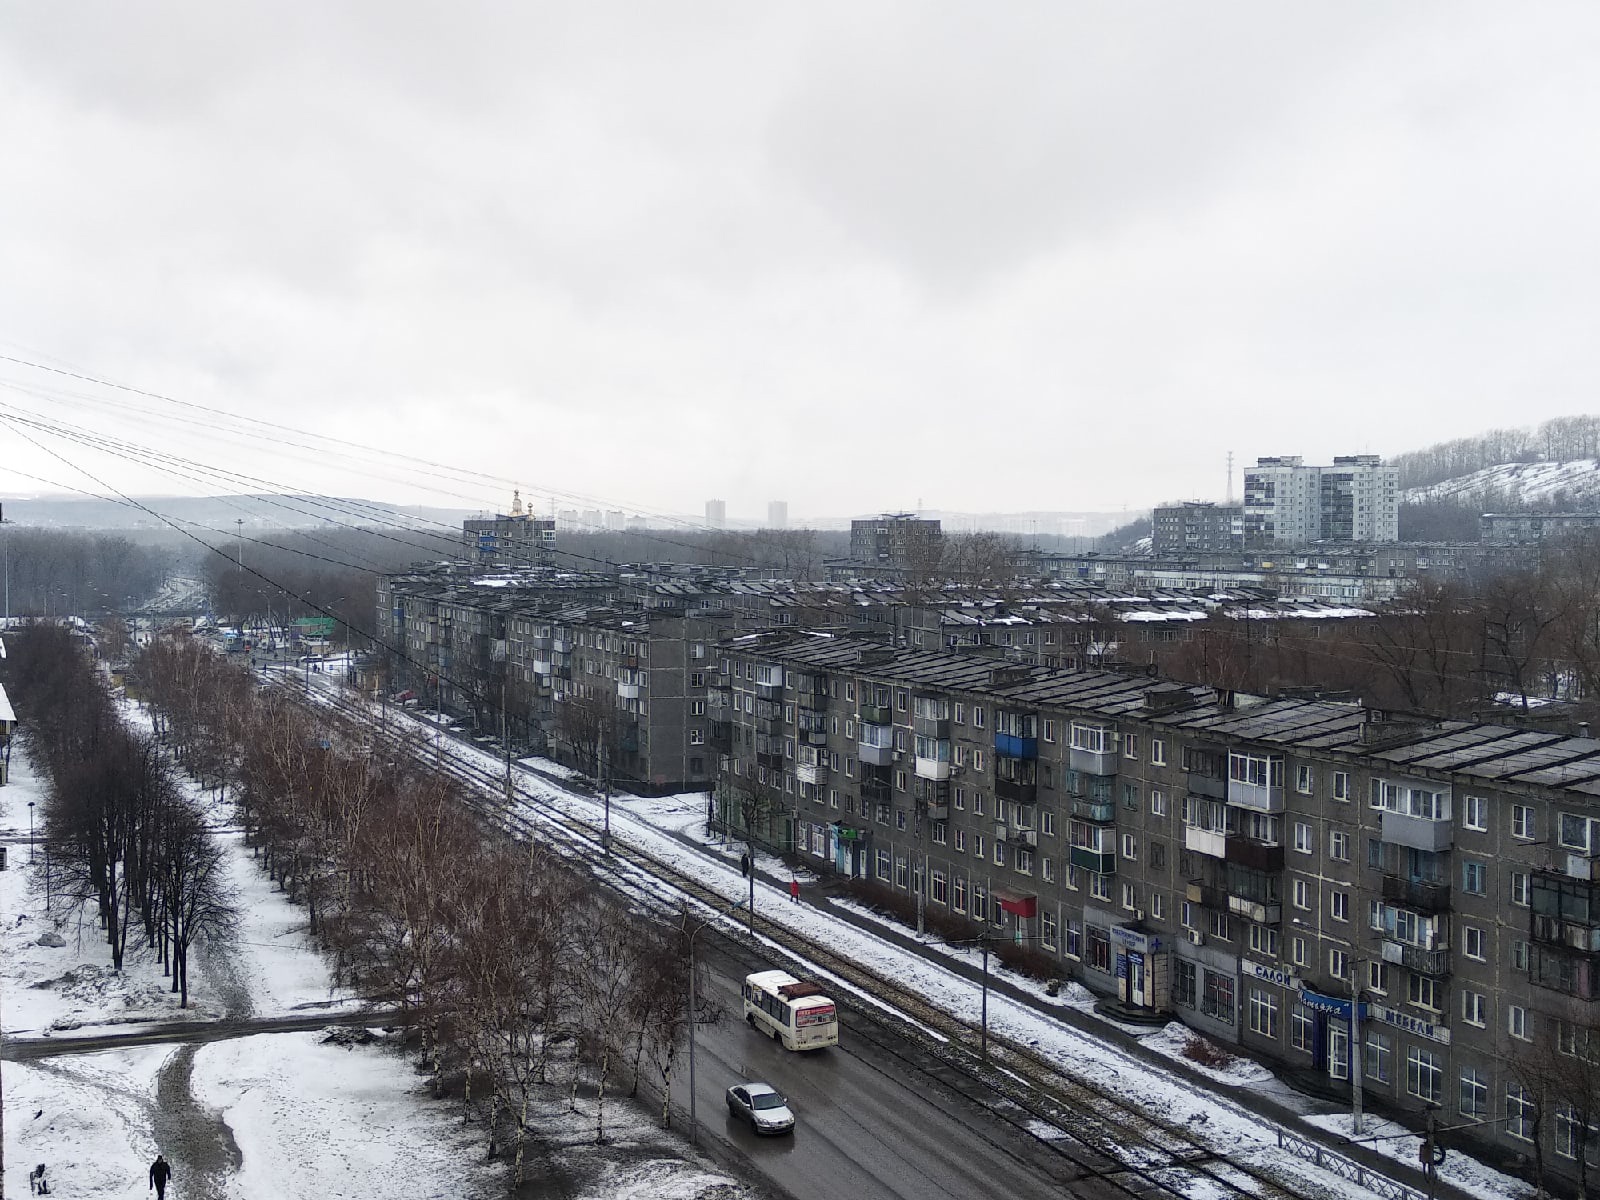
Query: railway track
1100,1141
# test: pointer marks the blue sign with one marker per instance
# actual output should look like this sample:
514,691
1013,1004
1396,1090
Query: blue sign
1331,1005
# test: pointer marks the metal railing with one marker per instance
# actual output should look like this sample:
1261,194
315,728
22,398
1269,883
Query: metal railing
1346,1168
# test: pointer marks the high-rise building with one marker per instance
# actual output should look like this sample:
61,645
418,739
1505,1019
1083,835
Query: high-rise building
896,542
592,520
1287,503
777,514
716,514
517,538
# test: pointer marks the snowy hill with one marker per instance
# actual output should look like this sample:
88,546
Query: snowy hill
1571,484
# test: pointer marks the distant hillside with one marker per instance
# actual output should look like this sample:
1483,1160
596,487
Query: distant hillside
1558,440
1516,485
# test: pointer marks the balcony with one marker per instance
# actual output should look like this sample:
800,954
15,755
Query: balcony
1009,745
540,642
1102,812
1419,833
1258,856
1421,895
1212,787
1255,910
1257,797
1011,789
933,768
1092,762
770,690
1206,895
1015,835
875,792
875,755
931,727
876,714
1414,958
560,646
627,691
811,773
772,762
1211,842
1101,862
722,736
812,701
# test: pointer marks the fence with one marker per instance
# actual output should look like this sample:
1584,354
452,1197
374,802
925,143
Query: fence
1345,1168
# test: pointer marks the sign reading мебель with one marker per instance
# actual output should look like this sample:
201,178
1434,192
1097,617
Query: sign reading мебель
1410,1024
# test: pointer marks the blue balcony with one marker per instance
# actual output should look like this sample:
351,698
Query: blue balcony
1012,746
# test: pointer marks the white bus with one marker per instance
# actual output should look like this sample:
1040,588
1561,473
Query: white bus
792,1011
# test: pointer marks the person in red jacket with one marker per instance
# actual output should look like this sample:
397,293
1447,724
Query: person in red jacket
794,891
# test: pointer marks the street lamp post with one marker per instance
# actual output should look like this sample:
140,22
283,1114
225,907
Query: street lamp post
30,833
694,1008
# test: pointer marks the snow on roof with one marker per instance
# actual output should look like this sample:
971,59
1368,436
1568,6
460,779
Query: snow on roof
7,714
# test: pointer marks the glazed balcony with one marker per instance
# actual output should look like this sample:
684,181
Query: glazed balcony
1102,812
1429,896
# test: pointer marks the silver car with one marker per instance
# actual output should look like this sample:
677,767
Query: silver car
763,1106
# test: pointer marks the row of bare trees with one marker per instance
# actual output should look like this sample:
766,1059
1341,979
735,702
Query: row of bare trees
1451,648
1560,439
121,832
520,979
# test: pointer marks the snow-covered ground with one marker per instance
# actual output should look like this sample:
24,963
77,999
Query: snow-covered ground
1576,482
264,1116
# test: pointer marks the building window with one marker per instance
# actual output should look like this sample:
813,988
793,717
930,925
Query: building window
1339,905
1519,955
1300,1029
1047,870
1185,987
1158,803
1216,999
1519,888
1024,862
1263,940
1301,892
1047,822
1424,1077
1130,847
941,886
1473,1101
977,845
1158,752
1474,813
1297,951
1473,875
1338,845
1049,730
1341,786
1474,1006
1302,837
883,865
1264,1013
902,873
1522,823
977,716
1472,943
1047,929
1423,991
999,853
1305,779
1158,905
1377,977
1338,964
1521,1113
960,891
961,840
941,833
1517,1023
1130,899
697,737
1130,745
1099,885
1073,948
1379,1053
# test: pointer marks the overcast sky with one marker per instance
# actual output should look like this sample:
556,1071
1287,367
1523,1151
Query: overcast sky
988,256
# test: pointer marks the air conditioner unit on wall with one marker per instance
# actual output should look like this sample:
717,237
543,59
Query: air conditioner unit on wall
1196,937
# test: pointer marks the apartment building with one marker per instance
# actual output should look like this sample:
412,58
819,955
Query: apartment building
1525,527
1287,503
571,668
1297,877
893,543
1197,527
517,538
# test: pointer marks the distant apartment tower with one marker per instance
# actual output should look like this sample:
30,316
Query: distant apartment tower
777,514
1535,526
716,514
894,540
1198,527
1287,503
592,520
516,538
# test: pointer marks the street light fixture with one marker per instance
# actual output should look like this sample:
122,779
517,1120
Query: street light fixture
30,833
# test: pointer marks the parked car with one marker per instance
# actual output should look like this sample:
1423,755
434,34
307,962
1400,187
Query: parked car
763,1106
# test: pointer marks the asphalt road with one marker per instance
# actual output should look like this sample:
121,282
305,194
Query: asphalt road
868,1126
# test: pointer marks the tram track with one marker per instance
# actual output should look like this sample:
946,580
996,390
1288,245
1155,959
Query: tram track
1101,1140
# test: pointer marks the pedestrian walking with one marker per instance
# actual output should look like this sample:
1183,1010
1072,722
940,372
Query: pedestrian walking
160,1172
794,890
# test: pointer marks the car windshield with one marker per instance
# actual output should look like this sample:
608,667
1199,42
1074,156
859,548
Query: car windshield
766,1100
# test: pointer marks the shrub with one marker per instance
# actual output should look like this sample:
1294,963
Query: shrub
1206,1054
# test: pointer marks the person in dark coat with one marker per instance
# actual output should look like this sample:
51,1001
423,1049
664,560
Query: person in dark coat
160,1172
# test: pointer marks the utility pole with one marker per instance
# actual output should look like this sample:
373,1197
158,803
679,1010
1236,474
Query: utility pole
1356,1054
605,789
922,870
505,744
983,1036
